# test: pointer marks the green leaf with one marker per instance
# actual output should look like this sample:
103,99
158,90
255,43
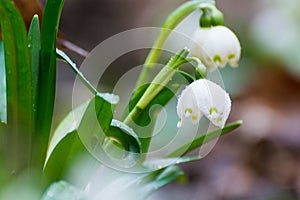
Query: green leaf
128,145
145,122
65,141
91,126
158,180
64,145
34,44
67,126
67,150
97,118
157,164
62,56
62,191
117,140
99,132
18,84
47,78
187,76
161,99
3,114
204,138
18,72
112,184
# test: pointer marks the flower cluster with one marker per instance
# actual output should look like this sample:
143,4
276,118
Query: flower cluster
216,46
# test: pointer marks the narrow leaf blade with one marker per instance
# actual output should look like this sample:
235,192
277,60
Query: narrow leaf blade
68,125
67,150
204,138
18,83
17,62
64,145
34,44
47,77
166,176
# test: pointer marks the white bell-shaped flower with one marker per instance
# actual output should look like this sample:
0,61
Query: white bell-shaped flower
204,97
216,46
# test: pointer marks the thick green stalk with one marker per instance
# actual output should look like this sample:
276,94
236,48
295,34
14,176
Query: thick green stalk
170,24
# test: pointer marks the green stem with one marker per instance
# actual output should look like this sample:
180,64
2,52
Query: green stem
132,115
170,24
156,86
200,67
162,79
158,83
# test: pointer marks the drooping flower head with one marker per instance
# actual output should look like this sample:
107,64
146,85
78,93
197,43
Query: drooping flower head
204,97
216,46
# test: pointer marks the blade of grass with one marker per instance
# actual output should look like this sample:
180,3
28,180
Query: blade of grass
47,78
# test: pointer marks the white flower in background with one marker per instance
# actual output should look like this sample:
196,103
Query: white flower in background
204,97
216,46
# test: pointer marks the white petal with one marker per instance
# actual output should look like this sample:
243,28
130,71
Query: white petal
204,97
187,106
216,46
212,101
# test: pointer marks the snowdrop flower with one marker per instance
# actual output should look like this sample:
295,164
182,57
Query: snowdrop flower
216,46
204,97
